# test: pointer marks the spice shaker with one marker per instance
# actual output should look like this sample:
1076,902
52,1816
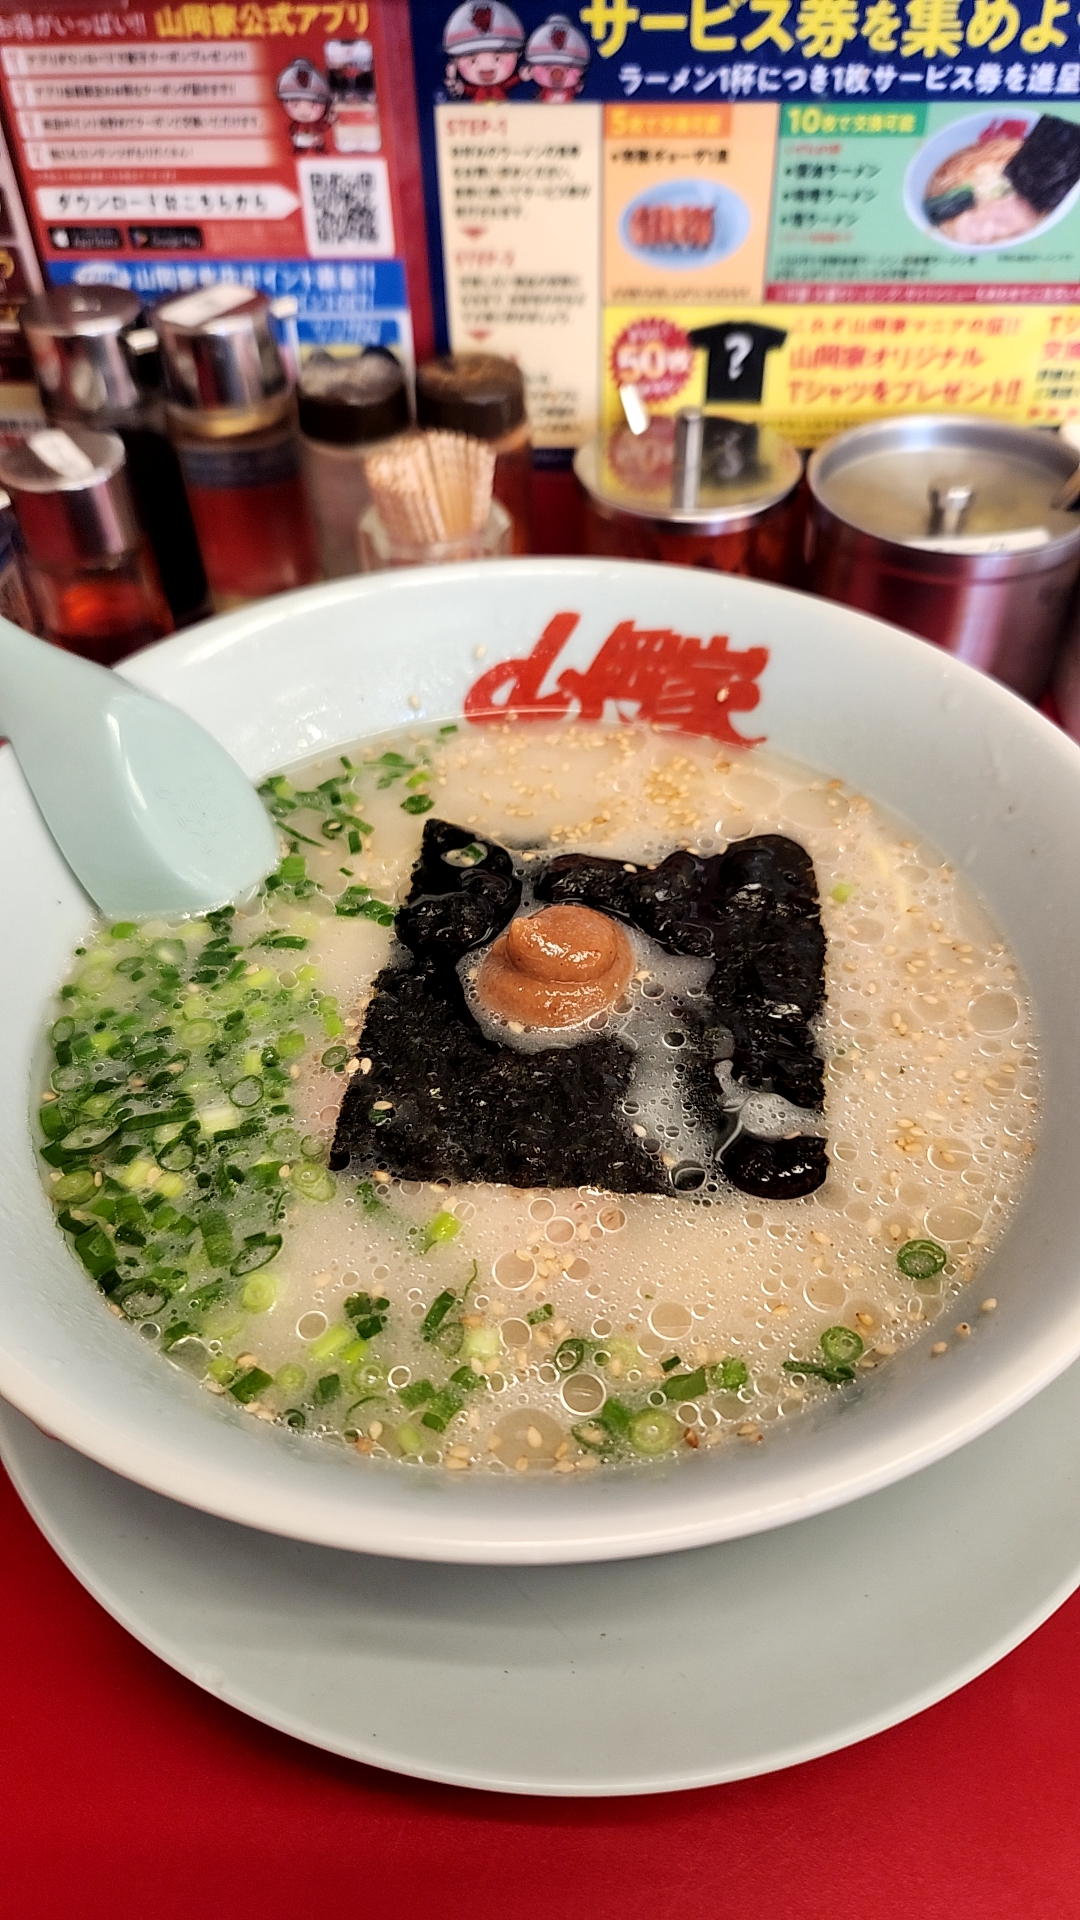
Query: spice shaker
698,490
483,395
949,525
91,571
232,417
96,365
347,405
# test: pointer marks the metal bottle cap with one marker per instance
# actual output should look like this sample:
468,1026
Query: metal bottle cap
82,356
220,355
350,401
959,483
478,393
70,494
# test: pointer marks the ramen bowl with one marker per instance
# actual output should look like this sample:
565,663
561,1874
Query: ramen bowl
973,769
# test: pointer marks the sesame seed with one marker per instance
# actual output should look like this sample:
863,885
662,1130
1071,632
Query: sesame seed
939,1347
988,1306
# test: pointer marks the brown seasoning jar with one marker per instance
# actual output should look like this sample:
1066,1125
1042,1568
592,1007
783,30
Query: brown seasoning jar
484,395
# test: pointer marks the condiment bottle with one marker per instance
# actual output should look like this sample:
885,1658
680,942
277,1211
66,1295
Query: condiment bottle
232,417
97,366
14,600
91,570
484,395
701,490
347,405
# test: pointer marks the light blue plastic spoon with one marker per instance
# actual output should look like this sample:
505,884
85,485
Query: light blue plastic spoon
151,814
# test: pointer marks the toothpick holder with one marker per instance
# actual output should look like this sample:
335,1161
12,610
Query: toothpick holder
379,552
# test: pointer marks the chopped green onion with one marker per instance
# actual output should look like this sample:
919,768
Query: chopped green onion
919,1259
312,1181
444,1227
615,1417
442,1409
652,1432
436,1314
685,1386
417,803
841,1346
538,1314
259,1294
730,1375
416,1393
73,1187
368,1315
326,1389
569,1355
247,1385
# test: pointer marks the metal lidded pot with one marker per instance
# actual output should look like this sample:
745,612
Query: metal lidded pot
696,490
950,525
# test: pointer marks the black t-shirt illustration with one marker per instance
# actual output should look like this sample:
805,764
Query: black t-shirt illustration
736,350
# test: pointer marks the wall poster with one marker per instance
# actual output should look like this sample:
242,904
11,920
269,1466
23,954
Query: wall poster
165,147
798,211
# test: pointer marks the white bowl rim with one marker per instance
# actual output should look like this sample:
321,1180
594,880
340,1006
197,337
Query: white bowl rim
274,1482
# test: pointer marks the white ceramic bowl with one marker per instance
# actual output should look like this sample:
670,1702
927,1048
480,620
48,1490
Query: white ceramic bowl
984,777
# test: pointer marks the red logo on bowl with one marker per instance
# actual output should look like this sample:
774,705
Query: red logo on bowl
667,679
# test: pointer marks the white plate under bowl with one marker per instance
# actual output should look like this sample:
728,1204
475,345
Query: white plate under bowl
647,1676
976,771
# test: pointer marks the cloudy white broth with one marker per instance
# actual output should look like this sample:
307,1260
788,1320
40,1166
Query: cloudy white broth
701,1249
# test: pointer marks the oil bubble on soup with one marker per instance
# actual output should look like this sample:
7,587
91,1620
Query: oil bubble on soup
196,1072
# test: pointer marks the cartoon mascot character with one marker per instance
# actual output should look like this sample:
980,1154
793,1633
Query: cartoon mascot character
556,57
482,46
307,100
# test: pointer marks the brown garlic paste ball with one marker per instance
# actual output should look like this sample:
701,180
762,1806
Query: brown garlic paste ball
555,968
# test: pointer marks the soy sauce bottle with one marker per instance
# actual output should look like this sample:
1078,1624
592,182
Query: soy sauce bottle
232,417
91,573
97,366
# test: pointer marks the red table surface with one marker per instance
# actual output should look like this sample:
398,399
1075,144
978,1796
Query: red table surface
127,1794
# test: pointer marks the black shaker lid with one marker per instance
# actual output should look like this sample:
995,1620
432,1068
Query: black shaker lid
353,398
477,393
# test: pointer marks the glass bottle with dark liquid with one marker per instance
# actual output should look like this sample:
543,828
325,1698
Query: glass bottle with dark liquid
232,417
97,366
91,571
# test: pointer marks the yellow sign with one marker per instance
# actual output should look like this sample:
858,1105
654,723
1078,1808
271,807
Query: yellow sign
812,371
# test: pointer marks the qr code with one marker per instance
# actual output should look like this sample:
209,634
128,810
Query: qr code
347,208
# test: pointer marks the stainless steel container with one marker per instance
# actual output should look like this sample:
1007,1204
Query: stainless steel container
947,525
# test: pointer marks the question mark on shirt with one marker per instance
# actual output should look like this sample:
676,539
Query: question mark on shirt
737,347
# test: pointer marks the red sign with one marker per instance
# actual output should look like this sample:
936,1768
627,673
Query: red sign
669,679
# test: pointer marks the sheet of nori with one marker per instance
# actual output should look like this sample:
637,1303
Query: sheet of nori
463,1107
1047,166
